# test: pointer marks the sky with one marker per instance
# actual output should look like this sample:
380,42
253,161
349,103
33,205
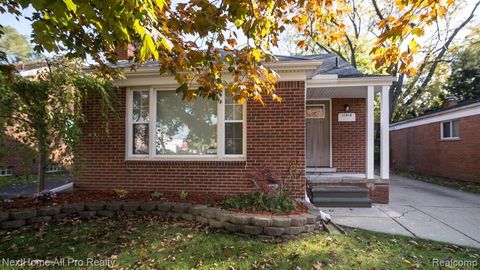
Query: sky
24,27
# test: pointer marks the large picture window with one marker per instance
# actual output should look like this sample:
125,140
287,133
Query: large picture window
163,126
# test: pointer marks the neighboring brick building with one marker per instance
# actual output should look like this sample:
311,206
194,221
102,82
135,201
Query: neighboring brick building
15,157
323,127
442,143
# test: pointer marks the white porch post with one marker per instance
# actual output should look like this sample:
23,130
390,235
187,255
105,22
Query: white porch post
370,131
385,134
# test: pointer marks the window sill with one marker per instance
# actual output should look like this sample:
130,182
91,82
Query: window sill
450,139
145,161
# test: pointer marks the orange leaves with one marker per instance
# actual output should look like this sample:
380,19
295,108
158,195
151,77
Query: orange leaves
397,43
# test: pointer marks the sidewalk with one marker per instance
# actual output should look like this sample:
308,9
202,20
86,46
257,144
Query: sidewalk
421,210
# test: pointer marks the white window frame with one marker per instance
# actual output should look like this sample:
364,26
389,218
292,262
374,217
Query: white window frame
442,137
52,168
152,127
6,171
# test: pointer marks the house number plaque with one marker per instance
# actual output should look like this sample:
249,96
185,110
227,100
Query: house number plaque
346,117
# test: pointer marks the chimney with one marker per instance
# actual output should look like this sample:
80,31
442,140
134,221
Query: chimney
125,52
450,102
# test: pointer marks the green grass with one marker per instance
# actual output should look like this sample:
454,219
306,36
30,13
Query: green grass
446,182
20,180
159,245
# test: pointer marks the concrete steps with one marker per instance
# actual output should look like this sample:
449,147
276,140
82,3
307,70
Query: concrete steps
340,196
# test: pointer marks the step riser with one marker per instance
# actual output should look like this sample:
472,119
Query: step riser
339,194
340,204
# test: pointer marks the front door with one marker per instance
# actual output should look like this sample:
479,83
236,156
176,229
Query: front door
318,134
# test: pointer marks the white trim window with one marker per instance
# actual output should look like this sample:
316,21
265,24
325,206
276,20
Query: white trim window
6,171
162,126
53,168
449,130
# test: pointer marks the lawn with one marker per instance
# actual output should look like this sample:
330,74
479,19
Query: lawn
20,180
152,244
446,182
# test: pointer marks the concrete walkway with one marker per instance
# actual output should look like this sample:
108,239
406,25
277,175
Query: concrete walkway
420,210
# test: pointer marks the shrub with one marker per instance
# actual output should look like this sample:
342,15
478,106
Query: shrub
156,194
121,193
44,196
183,195
257,201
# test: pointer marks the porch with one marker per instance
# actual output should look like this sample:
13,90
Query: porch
340,141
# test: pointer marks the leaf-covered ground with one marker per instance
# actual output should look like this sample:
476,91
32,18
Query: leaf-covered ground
153,244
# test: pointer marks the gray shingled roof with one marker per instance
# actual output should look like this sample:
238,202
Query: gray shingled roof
328,64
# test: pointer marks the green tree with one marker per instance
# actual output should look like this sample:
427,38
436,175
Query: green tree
15,46
464,81
184,36
46,109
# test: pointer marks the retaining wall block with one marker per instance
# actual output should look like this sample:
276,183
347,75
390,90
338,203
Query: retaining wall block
294,230
86,214
131,206
94,206
196,209
174,215
105,213
187,216
49,211
252,230
281,221
209,212
201,219
158,214
23,214
310,218
13,224
4,216
233,227
262,221
141,213
273,231
298,220
240,219
222,215
309,228
215,223
113,206
149,206
40,219
73,208
165,206
181,207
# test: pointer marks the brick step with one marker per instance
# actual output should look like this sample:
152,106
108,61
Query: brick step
339,191
341,202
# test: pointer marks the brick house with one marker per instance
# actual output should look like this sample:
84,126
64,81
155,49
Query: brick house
324,127
441,143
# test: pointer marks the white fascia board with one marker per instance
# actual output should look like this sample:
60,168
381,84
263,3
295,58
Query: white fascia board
351,81
456,113
153,78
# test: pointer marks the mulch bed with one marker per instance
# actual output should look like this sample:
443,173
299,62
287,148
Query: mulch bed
211,199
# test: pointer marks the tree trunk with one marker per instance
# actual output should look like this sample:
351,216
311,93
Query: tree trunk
42,164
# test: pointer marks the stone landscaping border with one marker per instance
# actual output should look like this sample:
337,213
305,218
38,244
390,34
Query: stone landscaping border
263,226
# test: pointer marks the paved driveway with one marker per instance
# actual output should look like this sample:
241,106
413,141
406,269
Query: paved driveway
421,210
26,190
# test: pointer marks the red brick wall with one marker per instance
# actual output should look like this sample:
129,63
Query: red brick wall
349,138
420,149
275,138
